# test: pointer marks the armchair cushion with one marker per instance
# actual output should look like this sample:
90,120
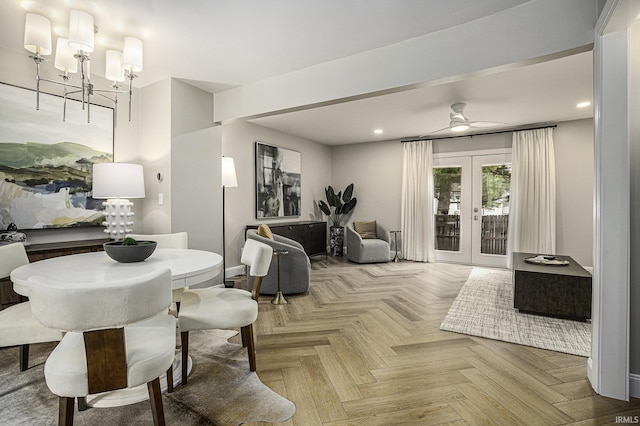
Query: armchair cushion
295,267
366,229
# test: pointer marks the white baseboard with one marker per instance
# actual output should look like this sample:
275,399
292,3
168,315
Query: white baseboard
634,385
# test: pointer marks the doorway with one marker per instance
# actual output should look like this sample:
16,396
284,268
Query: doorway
471,208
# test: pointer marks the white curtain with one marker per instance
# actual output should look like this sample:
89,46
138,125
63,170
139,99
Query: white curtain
417,202
532,217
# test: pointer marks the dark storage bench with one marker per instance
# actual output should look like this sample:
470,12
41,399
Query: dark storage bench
557,291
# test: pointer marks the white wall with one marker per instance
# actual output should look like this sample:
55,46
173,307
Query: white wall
634,105
376,171
155,154
238,141
575,182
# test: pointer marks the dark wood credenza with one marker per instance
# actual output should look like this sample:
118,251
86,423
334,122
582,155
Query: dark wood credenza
311,234
42,251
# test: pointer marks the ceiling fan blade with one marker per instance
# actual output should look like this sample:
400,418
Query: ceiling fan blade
483,124
434,132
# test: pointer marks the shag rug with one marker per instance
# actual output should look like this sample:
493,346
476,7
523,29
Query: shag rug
484,307
221,391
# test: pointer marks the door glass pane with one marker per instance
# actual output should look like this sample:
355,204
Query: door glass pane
496,180
446,183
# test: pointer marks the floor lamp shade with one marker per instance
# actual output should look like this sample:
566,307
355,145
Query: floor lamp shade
117,182
229,173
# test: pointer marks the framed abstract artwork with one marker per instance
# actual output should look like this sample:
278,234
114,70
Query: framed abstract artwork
46,164
277,182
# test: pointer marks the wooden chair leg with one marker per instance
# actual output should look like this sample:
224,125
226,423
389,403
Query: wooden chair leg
184,339
82,403
247,333
65,411
170,379
155,398
24,357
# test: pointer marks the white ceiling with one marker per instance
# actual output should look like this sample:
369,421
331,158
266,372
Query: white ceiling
217,44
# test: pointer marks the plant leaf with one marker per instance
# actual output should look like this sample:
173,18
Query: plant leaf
349,205
331,195
325,208
348,192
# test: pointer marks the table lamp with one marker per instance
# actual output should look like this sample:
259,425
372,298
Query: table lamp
117,182
228,180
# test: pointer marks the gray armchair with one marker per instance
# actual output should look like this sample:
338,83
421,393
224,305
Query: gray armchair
295,267
368,250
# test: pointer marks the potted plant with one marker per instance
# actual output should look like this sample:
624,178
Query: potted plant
337,206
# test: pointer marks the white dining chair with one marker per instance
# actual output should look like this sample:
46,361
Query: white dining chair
125,340
177,240
226,308
17,325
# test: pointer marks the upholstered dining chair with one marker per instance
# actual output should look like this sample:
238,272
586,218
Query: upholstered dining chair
17,325
125,340
178,240
225,308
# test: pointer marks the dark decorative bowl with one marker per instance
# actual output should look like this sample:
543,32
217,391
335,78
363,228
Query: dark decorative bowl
129,253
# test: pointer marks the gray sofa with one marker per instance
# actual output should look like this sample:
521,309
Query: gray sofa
295,267
368,250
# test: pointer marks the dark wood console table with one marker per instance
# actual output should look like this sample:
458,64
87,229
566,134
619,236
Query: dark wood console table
557,291
311,234
42,251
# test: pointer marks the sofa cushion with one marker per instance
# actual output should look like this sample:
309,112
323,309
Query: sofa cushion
366,229
265,231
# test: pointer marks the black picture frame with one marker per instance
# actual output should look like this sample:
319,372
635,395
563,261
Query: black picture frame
278,182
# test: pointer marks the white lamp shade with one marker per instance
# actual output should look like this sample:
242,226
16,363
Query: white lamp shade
113,67
65,61
118,180
37,34
132,55
81,31
229,179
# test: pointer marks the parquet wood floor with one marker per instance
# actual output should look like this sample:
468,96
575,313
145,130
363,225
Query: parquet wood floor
363,347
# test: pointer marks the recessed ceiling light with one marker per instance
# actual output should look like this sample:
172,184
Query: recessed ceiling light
378,131
583,104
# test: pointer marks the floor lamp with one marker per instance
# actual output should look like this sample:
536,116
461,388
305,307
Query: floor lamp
228,180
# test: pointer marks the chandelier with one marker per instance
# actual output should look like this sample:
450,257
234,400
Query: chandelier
72,56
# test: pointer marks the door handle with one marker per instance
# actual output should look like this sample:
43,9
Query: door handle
475,217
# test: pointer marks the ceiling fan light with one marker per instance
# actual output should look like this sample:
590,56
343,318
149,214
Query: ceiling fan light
458,127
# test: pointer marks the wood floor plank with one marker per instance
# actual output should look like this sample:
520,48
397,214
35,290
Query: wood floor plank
324,395
346,388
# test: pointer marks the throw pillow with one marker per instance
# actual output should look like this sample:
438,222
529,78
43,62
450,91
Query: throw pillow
265,231
366,229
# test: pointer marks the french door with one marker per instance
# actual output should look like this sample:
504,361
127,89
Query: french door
471,208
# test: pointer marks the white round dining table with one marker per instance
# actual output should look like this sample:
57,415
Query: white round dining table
188,267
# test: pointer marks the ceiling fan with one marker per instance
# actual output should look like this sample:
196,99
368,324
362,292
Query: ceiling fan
459,122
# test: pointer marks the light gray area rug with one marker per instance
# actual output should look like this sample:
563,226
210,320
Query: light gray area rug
221,391
484,307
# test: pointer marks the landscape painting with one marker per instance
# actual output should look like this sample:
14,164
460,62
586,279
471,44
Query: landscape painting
46,164
277,181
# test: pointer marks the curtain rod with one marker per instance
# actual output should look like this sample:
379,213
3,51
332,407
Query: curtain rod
470,135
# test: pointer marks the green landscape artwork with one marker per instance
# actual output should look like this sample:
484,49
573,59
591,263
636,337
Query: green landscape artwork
46,164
